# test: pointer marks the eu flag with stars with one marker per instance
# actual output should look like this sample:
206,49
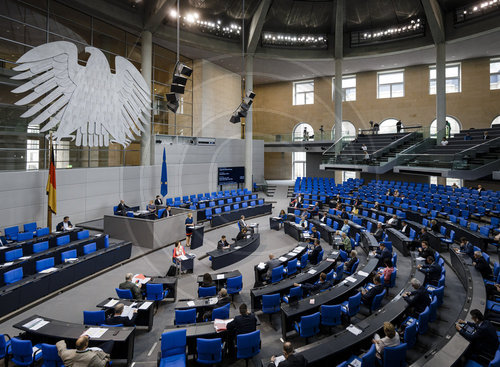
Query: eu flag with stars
164,184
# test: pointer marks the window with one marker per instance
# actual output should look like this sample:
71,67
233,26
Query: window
299,164
303,92
495,74
33,149
453,84
301,132
388,126
348,88
347,175
61,154
496,121
390,84
348,129
449,181
455,126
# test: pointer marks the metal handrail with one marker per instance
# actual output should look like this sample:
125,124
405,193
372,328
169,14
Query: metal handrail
402,128
338,141
392,144
488,142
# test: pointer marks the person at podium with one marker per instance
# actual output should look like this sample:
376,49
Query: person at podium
242,234
222,244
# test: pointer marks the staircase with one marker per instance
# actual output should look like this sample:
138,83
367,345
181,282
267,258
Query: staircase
290,192
270,190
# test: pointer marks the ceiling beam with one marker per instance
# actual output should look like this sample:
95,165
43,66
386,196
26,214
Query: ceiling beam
256,25
156,14
434,19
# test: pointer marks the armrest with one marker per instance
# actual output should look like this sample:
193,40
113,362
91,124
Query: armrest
158,359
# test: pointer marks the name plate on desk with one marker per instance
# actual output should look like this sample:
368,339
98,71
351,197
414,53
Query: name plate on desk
145,305
282,259
362,273
220,276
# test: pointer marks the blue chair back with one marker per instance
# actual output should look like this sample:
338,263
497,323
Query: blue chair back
207,291
30,227
295,292
13,275
71,254
410,335
343,255
124,293
94,317
50,356
368,360
42,232
329,275
82,235
11,233
130,214
277,274
395,356
173,343
433,309
62,240
88,249
22,352
330,315
377,300
303,260
154,292
234,285
271,303
309,325
209,351
354,304
292,267
221,312
44,264
320,255
40,246
248,345
25,236
439,293
13,254
423,321
185,316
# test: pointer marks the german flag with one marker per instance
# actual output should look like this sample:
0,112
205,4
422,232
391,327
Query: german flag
51,183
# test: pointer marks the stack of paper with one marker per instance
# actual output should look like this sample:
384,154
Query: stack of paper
7,264
24,257
145,305
353,329
237,247
140,278
95,332
128,311
183,257
49,270
278,360
111,303
291,253
190,303
312,271
282,259
220,276
261,266
221,325
36,324
351,279
362,273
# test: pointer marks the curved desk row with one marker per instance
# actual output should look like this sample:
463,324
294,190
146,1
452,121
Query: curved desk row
235,215
309,275
199,330
145,310
453,345
296,253
334,295
55,330
238,251
220,279
34,287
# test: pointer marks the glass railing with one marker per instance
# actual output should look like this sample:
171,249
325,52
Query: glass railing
475,156
298,137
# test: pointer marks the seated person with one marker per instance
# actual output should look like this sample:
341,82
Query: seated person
129,284
65,225
382,253
423,236
322,217
314,235
314,209
3,240
222,300
387,270
297,202
313,255
391,339
122,208
270,265
207,281
434,226
426,251
432,271
393,222
345,227
118,319
223,244
243,224
376,206
418,299
309,288
482,265
241,234
291,359
167,213
405,228
344,214
83,355
483,337
282,215
244,323
368,295
151,207
466,247
350,263
355,210
379,232
303,221
346,242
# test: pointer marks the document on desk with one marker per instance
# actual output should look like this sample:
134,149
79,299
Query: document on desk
213,300
353,329
282,258
25,257
351,279
299,248
420,258
71,260
278,360
312,271
261,266
237,247
49,270
7,264
95,332
36,324
145,305
291,253
355,363
362,273
3,247
221,276
111,303
128,311
190,303
183,257
221,325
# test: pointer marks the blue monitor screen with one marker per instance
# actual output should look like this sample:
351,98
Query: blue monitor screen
231,175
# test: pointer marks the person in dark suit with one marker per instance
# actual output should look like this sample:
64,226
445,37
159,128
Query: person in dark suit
379,232
466,247
222,244
432,271
167,213
244,323
158,200
271,264
405,228
382,253
422,236
134,288
344,214
426,251
418,299
352,260
313,255
314,235
482,265
309,288
367,296
322,217
483,340
65,225
122,208
241,234
434,226
118,319
222,300
3,240
291,359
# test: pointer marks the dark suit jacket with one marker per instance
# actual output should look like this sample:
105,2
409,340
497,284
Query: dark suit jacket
435,228
406,230
293,360
136,291
158,201
125,321
348,265
313,256
424,237
240,236
483,267
222,244
483,340
242,324
379,233
344,215
418,299
368,297
122,208
60,226
432,273
166,213
3,241
382,255
315,288
426,253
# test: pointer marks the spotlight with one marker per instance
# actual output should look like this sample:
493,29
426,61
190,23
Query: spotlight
172,102
177,88
183,69
235,118
250,94
242,113
179,79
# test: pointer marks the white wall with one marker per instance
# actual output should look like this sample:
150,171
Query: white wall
89,193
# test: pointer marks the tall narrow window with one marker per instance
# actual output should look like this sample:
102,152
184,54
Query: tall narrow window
348,88
33,149
347,175
453,76
303,92
301,132
390,84
494,74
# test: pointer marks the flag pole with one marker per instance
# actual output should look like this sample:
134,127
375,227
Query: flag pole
49,212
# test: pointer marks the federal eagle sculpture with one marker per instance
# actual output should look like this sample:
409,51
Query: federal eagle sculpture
86,103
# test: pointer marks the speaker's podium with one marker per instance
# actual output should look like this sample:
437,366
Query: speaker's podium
197,236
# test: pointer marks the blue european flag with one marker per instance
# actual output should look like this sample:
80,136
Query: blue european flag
164,184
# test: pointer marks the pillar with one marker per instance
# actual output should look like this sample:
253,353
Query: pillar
248,125
440,90
339,55
147,154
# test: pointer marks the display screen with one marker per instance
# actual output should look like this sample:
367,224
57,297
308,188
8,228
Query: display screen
231,175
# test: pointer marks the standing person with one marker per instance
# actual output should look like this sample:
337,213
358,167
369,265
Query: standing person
371,127
189,228
178,251
158,200
305,134
321,131
448,129
376,128
398,126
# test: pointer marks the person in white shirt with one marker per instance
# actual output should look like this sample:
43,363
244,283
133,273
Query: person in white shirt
391,339
364,148
444,142
65,225
393,221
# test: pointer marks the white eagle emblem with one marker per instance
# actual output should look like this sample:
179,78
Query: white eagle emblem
99,106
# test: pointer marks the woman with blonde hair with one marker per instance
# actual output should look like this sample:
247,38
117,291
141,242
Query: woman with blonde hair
391,339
